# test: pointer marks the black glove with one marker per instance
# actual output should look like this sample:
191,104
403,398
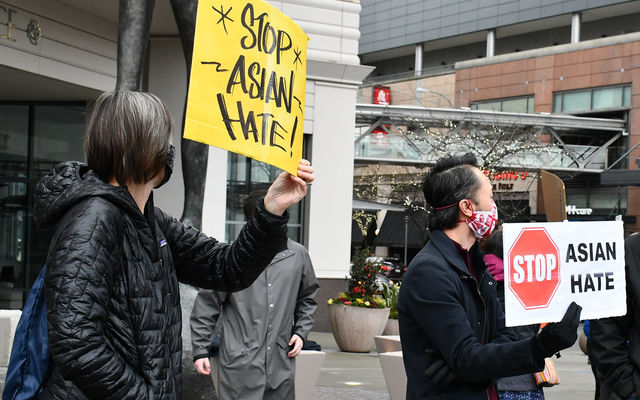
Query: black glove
559,335
439,373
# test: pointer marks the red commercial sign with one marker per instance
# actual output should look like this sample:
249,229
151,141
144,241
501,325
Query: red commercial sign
382,95
534,275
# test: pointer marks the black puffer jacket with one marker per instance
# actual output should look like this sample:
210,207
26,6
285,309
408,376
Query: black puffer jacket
112,284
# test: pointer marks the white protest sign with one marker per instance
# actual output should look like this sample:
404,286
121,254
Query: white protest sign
549,265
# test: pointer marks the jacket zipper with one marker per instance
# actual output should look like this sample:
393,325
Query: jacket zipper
484,305
484,325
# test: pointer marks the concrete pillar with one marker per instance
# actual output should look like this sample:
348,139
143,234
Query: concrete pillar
8,323
417,72
418,64
576,21
491,42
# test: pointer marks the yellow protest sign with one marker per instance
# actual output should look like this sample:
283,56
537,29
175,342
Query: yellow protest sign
247,85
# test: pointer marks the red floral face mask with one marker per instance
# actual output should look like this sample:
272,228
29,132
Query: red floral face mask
482,223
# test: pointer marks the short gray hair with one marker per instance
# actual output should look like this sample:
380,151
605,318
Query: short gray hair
128,136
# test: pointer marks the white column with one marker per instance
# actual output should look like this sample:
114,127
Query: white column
418,64
214,207
330,197
576,21
491,42
166,59
418,71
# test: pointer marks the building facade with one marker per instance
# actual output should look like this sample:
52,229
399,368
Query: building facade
575,58
57,56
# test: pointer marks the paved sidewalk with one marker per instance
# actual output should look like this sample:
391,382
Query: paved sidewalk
359,376
348,376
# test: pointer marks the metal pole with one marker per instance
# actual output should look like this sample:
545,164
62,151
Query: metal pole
417,71
406,237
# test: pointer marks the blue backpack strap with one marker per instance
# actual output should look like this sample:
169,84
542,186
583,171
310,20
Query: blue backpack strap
30,361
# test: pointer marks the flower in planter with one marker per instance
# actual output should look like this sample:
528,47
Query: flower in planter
390,294
362,289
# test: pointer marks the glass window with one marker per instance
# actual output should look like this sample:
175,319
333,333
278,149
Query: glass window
27,152
607,97
489,105
245,176
592,99
557,103
576,101
14,145
626,96
515,105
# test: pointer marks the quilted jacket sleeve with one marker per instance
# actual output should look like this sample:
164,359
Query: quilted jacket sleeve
83,257
204,262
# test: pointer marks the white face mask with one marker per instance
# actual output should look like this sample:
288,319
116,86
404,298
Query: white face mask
482,223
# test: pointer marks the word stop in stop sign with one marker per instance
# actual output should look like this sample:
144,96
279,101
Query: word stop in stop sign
534,273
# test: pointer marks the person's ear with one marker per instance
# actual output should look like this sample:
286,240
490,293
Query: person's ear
466,207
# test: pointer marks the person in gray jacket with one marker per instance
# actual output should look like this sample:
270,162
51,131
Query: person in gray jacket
263,327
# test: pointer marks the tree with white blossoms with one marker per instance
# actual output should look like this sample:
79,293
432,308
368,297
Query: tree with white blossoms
497,148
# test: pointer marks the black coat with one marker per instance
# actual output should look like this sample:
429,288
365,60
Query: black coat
111,288
615,342
443,308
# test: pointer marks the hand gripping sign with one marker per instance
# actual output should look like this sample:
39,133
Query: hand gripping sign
247,84
549,265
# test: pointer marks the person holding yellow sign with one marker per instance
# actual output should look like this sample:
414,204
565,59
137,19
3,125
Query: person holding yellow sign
111,288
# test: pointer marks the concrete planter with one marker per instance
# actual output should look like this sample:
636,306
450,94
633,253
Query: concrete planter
354,327
391,328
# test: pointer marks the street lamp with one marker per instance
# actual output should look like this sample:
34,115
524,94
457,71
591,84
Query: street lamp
425,90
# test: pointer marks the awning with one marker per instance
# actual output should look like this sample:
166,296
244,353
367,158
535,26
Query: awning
392,231
372,205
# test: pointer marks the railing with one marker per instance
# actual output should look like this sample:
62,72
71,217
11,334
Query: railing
407,150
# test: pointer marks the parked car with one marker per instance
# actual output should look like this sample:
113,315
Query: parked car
393,268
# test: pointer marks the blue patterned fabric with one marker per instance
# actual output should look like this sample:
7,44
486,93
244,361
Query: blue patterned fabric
527,395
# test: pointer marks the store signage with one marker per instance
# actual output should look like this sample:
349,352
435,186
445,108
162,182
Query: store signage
549,265
32,29
8,13
505,175
382,95
248,81
573,210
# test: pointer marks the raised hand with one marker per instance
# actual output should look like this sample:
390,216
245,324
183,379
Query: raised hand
559,335
288,189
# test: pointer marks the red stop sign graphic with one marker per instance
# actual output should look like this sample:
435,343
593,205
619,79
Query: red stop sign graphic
534,268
